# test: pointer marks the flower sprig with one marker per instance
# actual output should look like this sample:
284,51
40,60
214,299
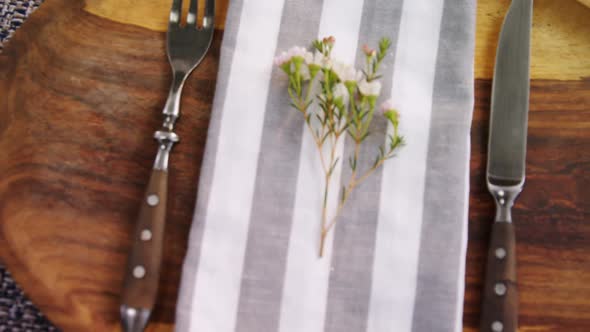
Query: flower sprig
346,101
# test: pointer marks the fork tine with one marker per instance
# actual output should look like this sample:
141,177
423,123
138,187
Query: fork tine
209,13
192,12
175,11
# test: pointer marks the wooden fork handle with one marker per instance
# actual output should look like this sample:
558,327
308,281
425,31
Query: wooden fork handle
143,265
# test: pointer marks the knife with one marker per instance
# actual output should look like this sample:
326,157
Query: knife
506,164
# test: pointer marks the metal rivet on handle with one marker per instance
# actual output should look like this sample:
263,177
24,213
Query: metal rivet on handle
153,200
497,326
500,253
500,289
131,312
145,235
139,272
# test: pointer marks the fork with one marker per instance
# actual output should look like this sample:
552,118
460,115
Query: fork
186,46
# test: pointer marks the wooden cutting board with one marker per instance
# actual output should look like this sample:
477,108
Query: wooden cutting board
81,88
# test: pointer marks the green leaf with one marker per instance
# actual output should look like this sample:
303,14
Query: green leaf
365,73
318,45
343,194
323,139
291,93
345,126
333,166
351,133
363,115
286,67
384,44
319,118
352,162
365,135
377,159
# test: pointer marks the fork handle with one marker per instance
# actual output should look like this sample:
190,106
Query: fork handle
142,274
500,295
143,265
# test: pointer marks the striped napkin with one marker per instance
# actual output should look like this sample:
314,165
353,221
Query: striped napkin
396,259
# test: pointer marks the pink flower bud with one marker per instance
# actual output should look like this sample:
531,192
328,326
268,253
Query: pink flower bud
369,51
329,40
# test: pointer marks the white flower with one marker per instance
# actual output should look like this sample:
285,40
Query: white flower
281,59
390,112
372,88
295,51
345,72
340,91
387,106
317,59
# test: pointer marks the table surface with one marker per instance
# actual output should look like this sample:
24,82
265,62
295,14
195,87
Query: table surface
68,200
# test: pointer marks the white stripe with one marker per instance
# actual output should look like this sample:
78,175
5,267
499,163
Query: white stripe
463,253
218,279
306,279
395,264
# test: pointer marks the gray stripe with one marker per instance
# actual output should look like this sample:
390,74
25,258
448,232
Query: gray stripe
354,238
276,178
191,262
439,266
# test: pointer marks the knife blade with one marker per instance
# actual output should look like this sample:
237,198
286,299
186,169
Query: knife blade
506,164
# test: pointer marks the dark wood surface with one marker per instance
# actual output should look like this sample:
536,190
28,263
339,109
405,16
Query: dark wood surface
80,97
551,214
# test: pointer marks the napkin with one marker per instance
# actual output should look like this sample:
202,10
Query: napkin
396,258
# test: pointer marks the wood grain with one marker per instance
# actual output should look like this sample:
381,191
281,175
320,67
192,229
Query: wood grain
551,214
149,14
560,39
80,97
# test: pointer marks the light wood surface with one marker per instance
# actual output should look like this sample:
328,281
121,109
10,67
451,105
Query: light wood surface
149,14
560,38
560,44
81,88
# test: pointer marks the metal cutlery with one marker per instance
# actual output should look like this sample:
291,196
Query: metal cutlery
186,46
506,164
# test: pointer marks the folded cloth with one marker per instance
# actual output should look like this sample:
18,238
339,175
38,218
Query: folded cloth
396,259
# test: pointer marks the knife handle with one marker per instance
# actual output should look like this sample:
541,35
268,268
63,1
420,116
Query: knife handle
143,265
500,295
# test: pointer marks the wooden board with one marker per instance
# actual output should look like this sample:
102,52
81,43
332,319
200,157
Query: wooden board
81,88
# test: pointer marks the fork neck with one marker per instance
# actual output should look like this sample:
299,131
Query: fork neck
166,137
172,108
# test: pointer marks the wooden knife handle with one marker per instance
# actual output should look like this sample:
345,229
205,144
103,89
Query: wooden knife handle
143,265
500,295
